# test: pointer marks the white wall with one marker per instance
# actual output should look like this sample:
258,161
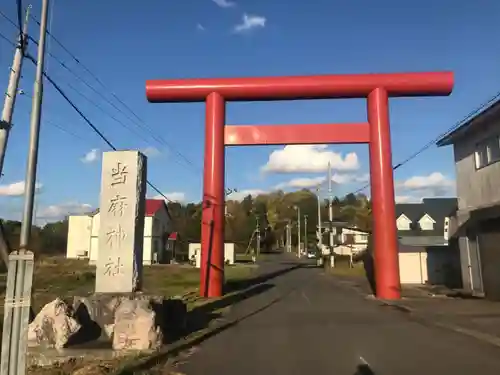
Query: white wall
403,223
229,253
147,254
349,249
79,229
360,242
413,266
426,222
92,235
195,250
94,242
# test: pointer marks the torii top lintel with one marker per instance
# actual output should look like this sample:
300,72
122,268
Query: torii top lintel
300,87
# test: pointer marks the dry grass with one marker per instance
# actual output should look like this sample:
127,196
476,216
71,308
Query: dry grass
343,269
60,277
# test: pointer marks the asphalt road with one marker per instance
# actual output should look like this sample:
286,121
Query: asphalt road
310,323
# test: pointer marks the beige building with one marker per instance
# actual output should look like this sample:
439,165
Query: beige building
83,231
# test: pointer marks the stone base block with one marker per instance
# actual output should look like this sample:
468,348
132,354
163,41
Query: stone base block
100,314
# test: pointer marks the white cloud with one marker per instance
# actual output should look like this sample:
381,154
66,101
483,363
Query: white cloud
313,182
250,22
200,27
407,199
241,194
433,180
174,196
224,3
301,183
91,156
415,188
16,189
309,158
151,151
347,178
59,211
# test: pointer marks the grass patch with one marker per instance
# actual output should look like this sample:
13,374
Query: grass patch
343,269
60,277
65,278
247,258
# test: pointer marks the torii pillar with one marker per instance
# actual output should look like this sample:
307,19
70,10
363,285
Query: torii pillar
377,88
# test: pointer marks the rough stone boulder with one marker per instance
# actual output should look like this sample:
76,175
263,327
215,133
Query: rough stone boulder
136,326
53,326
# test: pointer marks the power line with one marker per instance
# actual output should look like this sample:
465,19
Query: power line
432,142
7,40
8,19
136,120
103,110
63,129
94,128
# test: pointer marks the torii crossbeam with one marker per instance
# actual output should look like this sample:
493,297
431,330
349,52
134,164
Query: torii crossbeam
377,88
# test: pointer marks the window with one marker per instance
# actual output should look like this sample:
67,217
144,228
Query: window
362,238
426,222
403,223
426,225
487,152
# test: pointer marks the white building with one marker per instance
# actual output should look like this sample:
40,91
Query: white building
425,256
352,241
195,253
83,232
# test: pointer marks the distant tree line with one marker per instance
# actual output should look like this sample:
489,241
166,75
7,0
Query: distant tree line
273,212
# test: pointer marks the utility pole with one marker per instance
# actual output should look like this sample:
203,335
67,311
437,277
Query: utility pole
286,237
289,236
36,112
257,230
320,229
330,214
12,90
305,233
298,230
21,273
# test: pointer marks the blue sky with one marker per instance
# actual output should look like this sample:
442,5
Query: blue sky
127,42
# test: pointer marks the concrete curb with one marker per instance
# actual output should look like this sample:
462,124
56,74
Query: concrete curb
478,335
485,337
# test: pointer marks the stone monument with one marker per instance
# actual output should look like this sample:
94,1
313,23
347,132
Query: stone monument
121,231
118,313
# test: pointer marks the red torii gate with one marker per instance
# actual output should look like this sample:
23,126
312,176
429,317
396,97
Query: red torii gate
377,88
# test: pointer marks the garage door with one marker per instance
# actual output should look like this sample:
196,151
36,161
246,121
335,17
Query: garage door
413,268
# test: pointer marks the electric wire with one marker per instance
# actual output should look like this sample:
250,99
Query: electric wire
136,119
89,123
434,140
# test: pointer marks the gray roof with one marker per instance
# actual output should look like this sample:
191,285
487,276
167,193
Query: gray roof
471,123
437,208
